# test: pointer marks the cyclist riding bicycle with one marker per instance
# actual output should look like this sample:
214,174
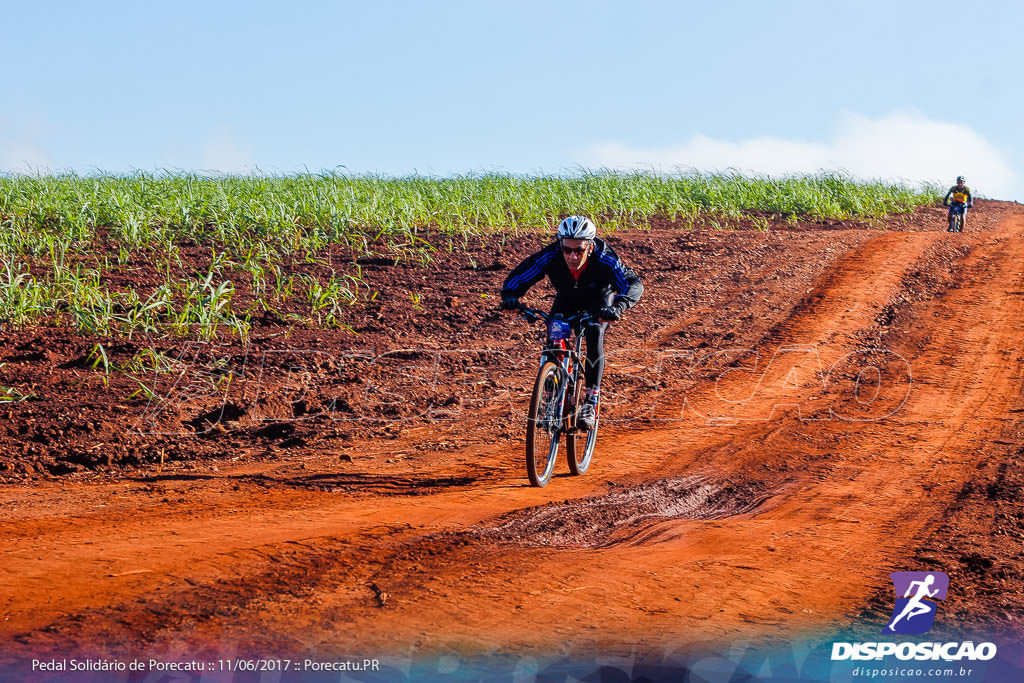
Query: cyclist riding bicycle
588,277
962,198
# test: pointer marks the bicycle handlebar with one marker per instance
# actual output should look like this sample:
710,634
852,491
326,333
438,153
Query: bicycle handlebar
532,314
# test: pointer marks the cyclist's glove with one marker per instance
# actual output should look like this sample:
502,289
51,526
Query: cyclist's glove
609,313
510,303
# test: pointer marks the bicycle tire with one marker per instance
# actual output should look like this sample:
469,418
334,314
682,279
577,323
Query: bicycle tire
541,437
579,445
956,222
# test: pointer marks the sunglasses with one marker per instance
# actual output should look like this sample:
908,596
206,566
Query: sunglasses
579,251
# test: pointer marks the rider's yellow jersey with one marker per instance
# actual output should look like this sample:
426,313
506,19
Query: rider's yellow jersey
960,195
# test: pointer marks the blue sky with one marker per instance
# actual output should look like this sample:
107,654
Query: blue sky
902,90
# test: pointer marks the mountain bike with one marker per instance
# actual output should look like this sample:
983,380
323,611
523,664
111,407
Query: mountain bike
956,218
558,393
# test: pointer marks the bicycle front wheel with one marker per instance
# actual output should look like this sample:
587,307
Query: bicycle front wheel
579,445
544,424
956,222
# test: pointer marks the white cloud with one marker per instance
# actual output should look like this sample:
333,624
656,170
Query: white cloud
22,157
20,149
905,147
223,154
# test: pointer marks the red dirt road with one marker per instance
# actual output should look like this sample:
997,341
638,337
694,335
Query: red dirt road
775,445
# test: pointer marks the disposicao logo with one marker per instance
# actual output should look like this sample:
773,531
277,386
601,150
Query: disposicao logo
917,600
914,612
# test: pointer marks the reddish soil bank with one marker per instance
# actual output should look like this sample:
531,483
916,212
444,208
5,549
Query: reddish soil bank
790,415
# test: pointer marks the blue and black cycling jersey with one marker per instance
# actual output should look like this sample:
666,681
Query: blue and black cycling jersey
605,281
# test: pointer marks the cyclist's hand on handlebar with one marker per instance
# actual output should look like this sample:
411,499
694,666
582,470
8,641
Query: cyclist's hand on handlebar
608,314
510,303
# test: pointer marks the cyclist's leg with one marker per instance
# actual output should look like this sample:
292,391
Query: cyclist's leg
595,356
595,349
586,419
963,218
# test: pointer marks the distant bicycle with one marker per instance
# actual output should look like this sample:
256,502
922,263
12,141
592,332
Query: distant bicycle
557,396
956,218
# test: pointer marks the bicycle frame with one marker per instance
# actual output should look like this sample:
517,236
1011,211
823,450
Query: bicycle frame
956,218
570,360
555,398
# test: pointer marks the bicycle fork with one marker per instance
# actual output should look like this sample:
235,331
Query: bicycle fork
553,401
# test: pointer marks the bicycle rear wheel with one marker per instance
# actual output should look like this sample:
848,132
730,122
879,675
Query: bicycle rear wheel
544,424
579,445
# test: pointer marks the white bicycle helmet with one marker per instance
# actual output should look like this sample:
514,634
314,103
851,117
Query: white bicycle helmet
577,228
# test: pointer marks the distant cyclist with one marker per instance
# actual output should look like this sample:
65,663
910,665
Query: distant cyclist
587,276
961,195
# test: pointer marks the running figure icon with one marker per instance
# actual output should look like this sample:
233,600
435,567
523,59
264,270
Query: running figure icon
915,607
919,593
